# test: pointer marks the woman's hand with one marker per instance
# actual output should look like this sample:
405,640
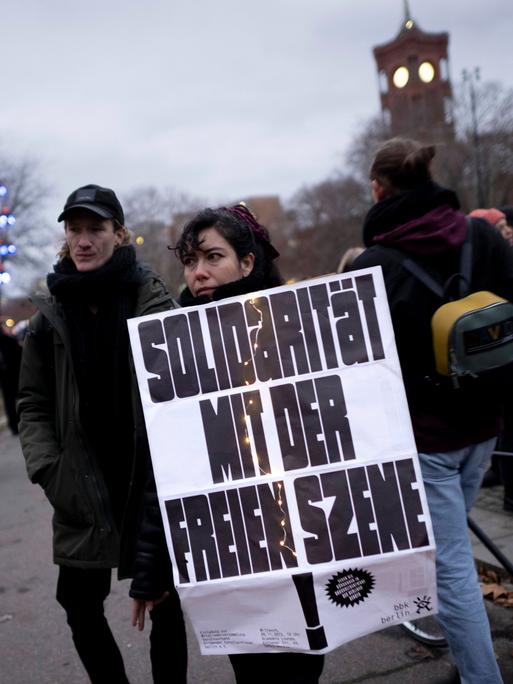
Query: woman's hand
139,608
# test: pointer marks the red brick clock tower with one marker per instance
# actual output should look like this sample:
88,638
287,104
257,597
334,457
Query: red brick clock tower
416,95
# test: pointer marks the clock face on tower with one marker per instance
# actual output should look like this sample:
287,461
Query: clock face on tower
401,77
426,72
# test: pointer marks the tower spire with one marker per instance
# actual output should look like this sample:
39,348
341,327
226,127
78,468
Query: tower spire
408,22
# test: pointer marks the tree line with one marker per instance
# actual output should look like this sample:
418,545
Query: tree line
318,222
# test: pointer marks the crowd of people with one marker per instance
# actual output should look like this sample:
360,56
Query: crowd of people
82,429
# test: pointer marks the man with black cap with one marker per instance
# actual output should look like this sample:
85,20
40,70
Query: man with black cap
81,424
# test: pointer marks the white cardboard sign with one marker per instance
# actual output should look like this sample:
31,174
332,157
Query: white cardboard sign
285,464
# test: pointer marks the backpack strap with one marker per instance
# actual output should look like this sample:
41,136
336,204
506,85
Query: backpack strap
422,275
416,270
464,275
466,260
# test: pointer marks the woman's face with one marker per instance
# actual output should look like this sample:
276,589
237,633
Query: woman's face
214,263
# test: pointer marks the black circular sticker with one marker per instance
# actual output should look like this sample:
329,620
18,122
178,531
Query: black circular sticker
349,587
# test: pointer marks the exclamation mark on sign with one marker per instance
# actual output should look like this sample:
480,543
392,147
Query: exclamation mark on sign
314,630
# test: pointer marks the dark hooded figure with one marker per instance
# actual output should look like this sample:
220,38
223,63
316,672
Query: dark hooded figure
455,430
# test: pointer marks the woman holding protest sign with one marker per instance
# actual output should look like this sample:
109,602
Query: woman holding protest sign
416,227
225,253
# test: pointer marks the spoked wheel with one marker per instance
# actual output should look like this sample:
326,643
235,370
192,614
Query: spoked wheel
426,630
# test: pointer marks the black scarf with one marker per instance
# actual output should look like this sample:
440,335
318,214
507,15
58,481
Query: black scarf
398,209
118,274
96,305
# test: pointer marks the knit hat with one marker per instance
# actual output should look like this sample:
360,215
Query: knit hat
493,216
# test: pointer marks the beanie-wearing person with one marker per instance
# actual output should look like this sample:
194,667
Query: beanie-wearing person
501,469
498,220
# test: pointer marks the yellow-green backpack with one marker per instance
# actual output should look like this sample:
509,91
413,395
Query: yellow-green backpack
472,335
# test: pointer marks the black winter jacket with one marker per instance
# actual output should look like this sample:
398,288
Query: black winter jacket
426,225
58,453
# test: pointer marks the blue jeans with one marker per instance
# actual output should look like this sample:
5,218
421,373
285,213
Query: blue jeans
452,481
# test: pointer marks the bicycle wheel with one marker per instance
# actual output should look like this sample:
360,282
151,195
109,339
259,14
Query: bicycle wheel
426,630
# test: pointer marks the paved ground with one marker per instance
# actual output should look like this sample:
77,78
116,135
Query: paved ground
35,647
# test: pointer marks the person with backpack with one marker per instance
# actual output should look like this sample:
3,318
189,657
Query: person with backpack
455,420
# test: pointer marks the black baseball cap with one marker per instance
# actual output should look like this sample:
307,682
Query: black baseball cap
101,201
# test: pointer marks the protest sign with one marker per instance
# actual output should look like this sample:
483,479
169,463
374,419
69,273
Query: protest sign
285,465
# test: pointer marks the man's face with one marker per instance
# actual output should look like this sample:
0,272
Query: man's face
91,239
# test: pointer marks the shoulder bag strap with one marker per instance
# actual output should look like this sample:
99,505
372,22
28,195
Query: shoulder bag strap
416,270
466,261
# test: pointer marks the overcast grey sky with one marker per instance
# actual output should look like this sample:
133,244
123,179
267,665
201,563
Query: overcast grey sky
218,99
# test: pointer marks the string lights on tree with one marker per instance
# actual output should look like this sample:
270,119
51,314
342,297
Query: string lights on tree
7,248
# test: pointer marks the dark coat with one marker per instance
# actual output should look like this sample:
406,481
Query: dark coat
59,454
429,228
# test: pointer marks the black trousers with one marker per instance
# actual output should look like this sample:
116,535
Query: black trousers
82,594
